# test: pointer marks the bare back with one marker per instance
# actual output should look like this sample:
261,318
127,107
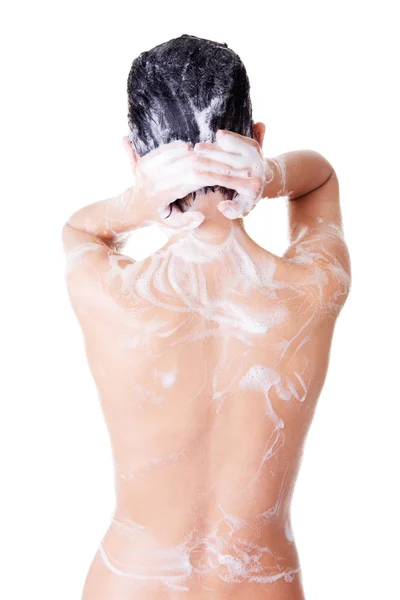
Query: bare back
209,360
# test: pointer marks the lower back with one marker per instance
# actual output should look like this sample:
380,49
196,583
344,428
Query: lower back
208,380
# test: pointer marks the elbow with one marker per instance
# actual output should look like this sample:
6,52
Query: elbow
66,232
65,228
327,170
322,165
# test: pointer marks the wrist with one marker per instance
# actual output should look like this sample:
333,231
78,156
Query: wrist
132,208
275,177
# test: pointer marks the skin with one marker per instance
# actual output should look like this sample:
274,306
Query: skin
209,357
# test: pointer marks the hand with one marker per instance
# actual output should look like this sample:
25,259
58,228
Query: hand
174,170
237,152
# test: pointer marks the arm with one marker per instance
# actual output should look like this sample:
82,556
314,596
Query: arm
315,221
106,223
294,174
92,239
109,221
93,235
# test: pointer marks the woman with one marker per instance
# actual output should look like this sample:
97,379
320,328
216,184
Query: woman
209,355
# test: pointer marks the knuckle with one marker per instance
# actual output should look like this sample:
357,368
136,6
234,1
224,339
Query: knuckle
194,161
200,162
256,183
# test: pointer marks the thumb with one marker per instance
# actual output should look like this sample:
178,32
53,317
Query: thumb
230,209
187,220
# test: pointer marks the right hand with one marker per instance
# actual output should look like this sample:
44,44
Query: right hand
238,151
174,170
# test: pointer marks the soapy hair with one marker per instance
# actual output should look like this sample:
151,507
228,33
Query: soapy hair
186,89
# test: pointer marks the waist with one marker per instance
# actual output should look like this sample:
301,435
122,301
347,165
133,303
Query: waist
216,554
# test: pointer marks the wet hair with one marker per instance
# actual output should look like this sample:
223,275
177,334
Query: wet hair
186,89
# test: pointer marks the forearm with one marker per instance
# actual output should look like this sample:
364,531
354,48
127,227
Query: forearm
109,220
296,173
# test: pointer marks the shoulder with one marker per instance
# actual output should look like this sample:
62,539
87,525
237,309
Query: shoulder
319,260
95,272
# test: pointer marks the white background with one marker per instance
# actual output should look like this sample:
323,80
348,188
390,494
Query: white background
323,76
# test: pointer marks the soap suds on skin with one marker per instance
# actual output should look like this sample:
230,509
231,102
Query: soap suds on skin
189,293
240,332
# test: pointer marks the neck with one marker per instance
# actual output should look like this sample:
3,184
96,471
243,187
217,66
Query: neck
216,227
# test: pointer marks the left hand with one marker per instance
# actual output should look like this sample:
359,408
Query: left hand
239,152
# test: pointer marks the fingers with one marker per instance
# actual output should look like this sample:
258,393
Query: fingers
193,172
242,156
248,186
211,165
163,154
237,161
205,171
244,138
230,208
182,221
178,179
234,142
195,163
240,206
180,166
176,169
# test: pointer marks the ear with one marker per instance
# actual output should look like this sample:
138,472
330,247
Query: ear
259,132
133,156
